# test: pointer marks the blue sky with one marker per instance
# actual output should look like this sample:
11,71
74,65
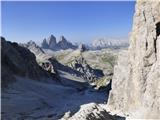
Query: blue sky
78,21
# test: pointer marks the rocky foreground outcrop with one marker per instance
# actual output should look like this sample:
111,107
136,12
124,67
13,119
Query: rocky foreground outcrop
91,111
136,81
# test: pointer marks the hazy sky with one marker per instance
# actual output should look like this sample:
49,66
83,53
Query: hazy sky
77,21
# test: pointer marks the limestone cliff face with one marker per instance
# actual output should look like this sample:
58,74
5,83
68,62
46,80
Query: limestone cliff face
139,88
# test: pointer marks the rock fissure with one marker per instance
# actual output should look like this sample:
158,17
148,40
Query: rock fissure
158,29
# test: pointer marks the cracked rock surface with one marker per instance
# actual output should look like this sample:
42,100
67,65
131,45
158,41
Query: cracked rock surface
139,86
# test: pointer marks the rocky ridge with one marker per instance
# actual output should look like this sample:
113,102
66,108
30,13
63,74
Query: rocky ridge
33,47
90,74
19,61
91,111
78,67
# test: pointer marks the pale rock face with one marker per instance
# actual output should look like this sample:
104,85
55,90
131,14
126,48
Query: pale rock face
139,87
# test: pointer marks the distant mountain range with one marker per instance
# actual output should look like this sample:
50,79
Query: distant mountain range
100,43
62,44
109,43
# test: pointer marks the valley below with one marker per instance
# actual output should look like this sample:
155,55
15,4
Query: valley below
65,81
109,80
28,99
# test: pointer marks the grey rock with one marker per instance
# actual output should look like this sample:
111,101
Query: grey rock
44,44
64,44
92,111
49,43
138,78
90,74
82,47
19,61
52,44
33,47
48,63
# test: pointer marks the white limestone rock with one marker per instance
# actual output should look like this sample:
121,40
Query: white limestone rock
137,90
92,111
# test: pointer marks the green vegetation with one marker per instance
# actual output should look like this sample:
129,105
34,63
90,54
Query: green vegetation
61,56
69,62
109,58
103,82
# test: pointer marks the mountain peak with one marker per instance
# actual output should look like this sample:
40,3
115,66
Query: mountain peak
51,43
62,38
31,42
52,38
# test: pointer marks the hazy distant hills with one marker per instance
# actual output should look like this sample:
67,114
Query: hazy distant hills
100,43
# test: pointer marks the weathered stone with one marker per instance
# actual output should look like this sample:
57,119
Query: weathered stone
88,73
135,86
92,111
82,48
19,61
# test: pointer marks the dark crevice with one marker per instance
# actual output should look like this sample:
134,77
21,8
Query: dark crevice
144,15
146,45
155,47
157,34
158,29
